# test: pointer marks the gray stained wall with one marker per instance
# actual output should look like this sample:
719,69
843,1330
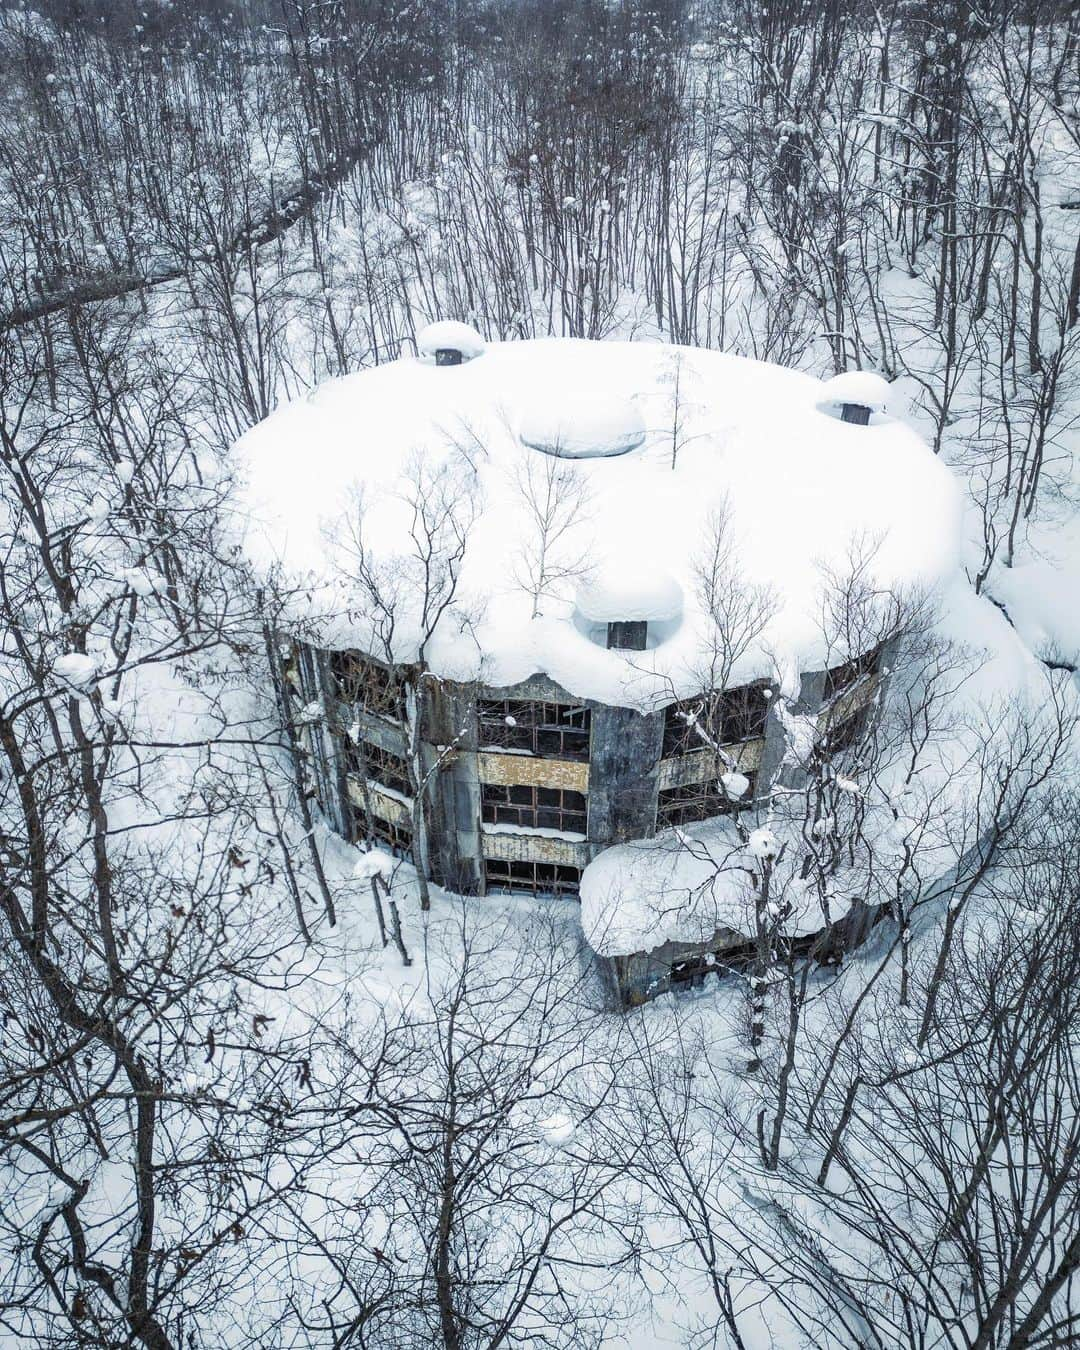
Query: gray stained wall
620,778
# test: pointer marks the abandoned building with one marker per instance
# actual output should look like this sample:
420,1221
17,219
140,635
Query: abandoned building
546,723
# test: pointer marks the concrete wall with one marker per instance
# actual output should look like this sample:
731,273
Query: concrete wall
621,779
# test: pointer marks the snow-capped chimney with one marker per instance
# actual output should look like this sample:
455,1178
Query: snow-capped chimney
448,343
629,604
855,394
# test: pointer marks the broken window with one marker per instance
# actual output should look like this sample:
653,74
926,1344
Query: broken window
380,766
727,716
845,734
394,836
533,807
553,730
537,878
844,676
368,683
699,801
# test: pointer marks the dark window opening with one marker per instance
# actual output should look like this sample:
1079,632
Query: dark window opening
844,676
381,766
693,971
537,878
628,635
368,683
856,413
844,735
554,730
395,837
533,807
447,356
727,716
699,801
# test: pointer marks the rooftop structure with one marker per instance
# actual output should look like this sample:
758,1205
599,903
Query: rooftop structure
549,530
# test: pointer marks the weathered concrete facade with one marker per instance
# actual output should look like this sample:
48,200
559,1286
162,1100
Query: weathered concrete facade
615,778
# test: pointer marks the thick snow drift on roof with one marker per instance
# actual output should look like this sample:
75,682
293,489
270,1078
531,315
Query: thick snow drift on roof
862,387
628,590
581,424
800,491
684,886
449,335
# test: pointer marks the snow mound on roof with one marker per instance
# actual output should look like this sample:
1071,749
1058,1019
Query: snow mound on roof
683,886
626,589
449,335
582,424
865,388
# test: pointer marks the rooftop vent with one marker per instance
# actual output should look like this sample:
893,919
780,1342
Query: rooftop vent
582,425
448,343
626,606
855,394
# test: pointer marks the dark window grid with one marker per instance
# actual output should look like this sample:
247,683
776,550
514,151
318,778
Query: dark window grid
729,715
842,677
844,735
379,765
535,878
534,807
367,683
552,730
395,836
699,801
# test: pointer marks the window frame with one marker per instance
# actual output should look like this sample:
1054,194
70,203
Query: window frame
541,727
520,884
499,807
679,737
375,764
689,803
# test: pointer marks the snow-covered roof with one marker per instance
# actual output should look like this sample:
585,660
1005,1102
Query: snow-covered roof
800,490
682,886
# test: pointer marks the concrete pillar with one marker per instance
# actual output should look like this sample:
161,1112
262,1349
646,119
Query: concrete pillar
454,845
623,761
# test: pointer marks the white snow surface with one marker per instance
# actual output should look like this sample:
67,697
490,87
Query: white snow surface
802,492
627,590
683,886
76,669
448,334
581,423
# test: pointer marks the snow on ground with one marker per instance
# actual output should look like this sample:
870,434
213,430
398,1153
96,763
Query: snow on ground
802,492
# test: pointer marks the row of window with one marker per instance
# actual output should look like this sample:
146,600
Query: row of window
500,874
372,761
554,879
561,730
727,717
533,807
552,730
698,801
